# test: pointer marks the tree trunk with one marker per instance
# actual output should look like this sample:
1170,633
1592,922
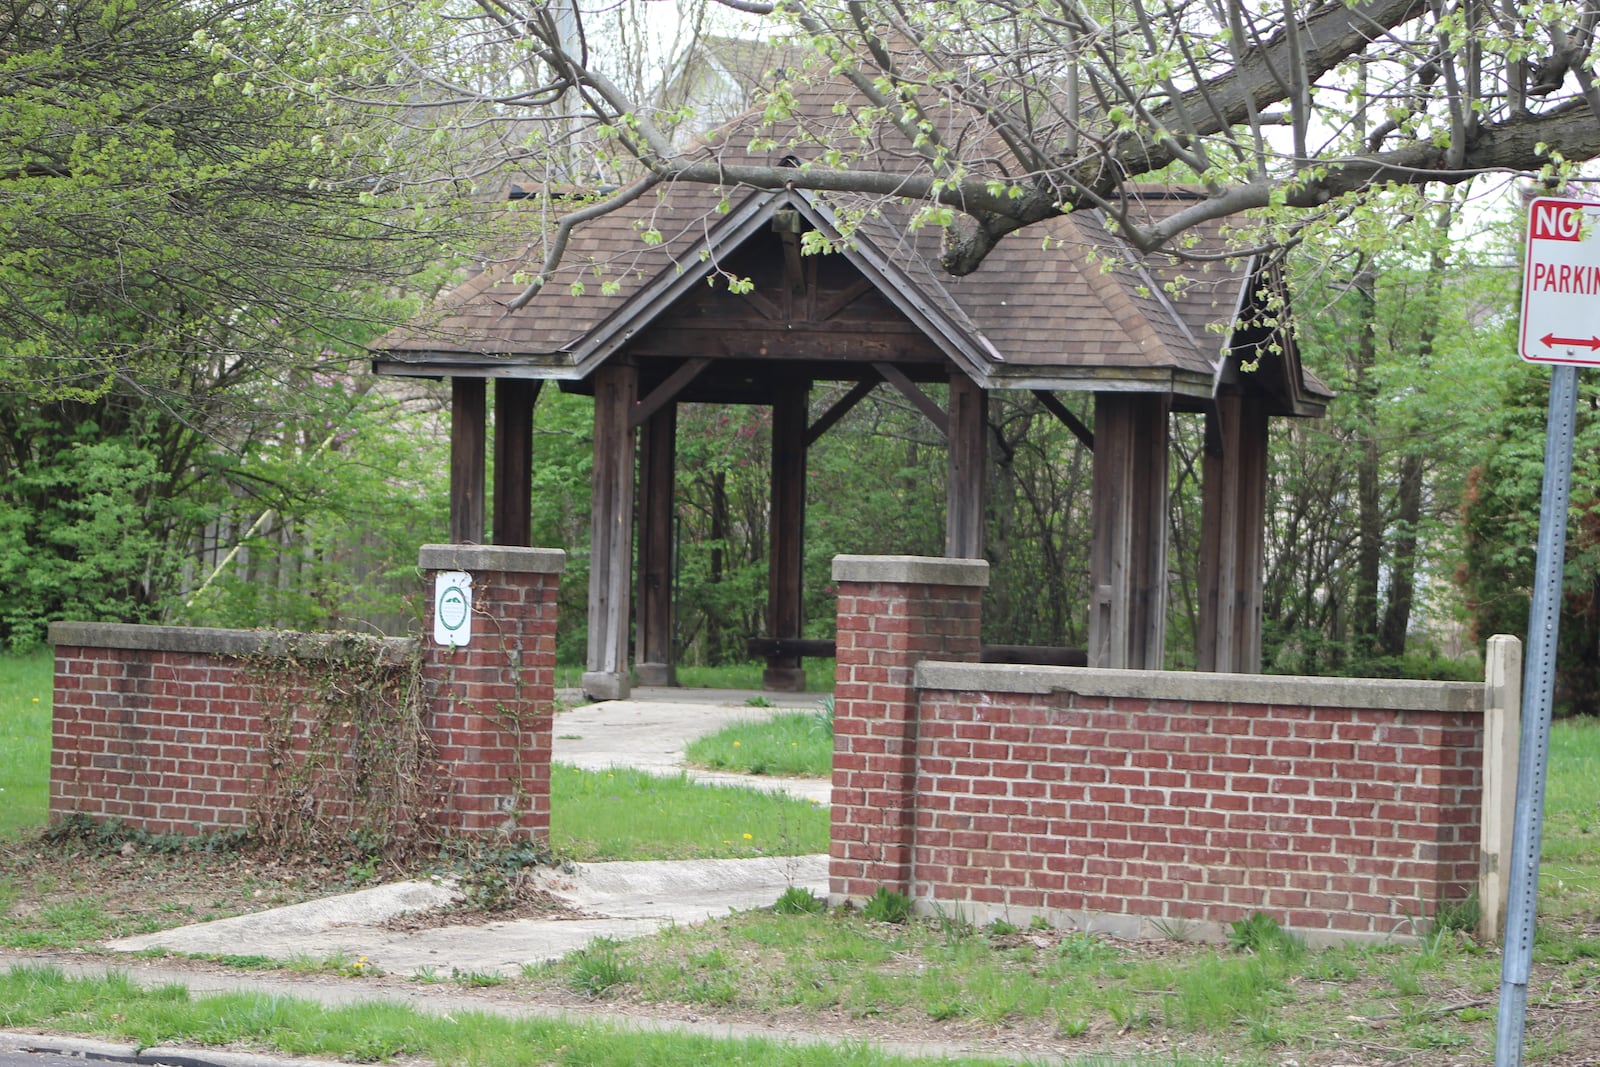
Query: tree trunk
1363,614
1403,565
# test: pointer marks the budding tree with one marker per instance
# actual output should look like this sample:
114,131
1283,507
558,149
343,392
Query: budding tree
998,114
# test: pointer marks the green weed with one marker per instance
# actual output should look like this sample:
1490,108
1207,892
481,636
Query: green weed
598,968
798,900
1260,932
887,906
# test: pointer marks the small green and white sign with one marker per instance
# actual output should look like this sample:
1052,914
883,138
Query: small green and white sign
452,608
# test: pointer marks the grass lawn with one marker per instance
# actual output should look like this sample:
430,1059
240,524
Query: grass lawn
819,676
624,814
25,691
114,1007
792,743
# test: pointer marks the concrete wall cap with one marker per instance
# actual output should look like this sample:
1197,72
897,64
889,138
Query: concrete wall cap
507,558
1365,693
205,641
921,570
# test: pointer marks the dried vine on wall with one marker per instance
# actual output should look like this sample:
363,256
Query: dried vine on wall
350,765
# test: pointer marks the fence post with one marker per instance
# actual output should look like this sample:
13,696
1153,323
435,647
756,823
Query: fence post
1502,726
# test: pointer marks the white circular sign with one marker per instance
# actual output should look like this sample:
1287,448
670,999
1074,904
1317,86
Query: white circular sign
452,608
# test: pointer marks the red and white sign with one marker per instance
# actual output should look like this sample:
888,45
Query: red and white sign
1561,283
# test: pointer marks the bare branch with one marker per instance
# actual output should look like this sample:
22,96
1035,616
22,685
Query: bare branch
556,248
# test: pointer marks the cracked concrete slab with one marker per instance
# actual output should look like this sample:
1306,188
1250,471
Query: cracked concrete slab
617,900
611,899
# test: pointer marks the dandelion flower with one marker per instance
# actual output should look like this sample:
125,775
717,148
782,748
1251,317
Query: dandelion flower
736,744
749,837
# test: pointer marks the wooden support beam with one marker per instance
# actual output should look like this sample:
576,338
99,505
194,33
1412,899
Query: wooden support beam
815,647
1232,536
786,536
1219,519
514,399
840,409
794,275
767,309
667,391
468,415
908,388
964,484
654,659
1054,406
611,532
1249,570
1128,546
837,302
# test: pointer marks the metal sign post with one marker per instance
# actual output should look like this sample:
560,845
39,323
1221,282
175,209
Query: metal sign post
1538,688
1561,326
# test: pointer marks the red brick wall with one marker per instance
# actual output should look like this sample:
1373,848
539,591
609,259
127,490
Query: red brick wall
1134,800
170,728
173,741
1344,820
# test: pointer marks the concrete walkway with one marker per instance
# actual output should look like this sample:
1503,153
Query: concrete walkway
612,899
650,730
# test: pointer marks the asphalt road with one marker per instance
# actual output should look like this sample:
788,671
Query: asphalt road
31,1050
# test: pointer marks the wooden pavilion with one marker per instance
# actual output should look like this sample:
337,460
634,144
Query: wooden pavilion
631,319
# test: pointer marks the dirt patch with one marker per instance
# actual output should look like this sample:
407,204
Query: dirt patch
133,888
530,903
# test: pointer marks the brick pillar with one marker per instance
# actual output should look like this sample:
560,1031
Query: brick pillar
489,702
894,611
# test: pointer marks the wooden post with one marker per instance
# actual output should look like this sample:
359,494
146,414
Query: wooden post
1128,549
1502,723
1219,530
1233,517
611,533
467,419
1248,572
513,460
790,410
964,485
654,659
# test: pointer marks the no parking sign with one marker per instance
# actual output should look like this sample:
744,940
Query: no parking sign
452,608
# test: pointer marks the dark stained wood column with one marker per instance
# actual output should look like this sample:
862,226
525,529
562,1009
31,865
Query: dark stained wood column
1128,550
964,485
513,460
658,447
611,533
1233,517
467,431
790,410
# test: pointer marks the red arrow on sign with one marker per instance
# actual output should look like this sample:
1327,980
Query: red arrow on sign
1551,340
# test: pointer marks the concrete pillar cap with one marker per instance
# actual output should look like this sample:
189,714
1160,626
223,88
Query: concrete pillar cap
920,570
507,558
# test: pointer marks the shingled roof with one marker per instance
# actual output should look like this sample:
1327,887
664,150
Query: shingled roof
1063,304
